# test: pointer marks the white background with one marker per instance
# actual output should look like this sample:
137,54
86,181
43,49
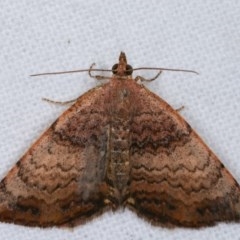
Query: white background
43,35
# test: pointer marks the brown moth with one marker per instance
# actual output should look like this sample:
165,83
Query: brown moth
119,145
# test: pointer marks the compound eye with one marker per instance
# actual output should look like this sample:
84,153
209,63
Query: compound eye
129,70
114,68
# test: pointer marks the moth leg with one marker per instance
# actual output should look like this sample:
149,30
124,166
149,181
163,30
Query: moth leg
98,77
59,102
180,109
142,79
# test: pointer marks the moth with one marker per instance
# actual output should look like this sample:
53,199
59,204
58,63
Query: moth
119,145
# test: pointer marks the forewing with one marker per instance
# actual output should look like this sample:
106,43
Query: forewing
175,178
60,178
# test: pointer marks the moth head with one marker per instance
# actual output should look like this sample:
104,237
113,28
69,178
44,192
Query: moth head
122,68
